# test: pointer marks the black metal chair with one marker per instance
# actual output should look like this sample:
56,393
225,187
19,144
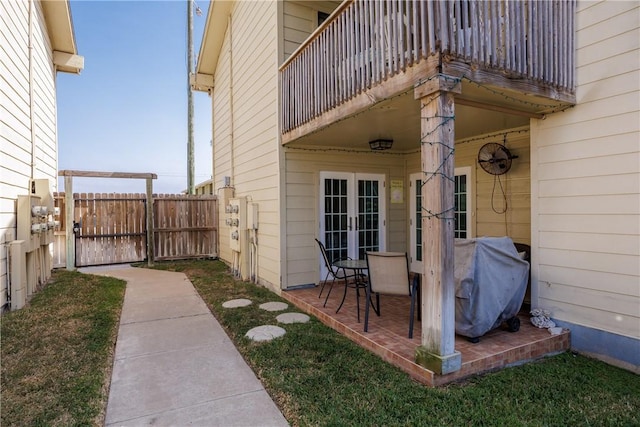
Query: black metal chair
389,275
334,272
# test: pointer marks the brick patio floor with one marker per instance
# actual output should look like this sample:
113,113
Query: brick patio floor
388,335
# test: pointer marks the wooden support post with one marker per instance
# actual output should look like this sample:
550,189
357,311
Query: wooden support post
149,222
437,352
68,220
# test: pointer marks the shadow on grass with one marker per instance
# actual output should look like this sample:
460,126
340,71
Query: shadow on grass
318,377
57,352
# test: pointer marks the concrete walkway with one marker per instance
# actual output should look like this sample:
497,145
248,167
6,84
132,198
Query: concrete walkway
174,364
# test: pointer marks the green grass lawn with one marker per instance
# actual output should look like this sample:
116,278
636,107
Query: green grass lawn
318,377
57,352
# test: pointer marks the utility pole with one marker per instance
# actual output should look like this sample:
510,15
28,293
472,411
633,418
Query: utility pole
190,160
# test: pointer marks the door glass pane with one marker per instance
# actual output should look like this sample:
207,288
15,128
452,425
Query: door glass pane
368,217
335,218
460,211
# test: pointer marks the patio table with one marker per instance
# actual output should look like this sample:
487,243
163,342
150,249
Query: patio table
358,266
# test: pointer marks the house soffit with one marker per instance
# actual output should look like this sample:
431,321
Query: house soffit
57,15
399,119
213,37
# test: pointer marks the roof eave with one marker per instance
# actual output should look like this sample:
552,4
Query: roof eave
57,15
213,37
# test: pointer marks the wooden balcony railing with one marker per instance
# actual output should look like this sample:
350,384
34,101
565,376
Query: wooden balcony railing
366,42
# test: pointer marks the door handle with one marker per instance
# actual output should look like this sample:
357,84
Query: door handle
350,226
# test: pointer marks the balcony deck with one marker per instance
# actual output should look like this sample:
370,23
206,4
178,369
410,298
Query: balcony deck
368,52
387,336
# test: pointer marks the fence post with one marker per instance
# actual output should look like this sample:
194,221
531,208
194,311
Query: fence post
149,222
69,207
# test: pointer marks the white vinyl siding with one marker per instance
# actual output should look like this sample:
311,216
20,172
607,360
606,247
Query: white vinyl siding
245,135
15,124
46,163
302,205
300,20
586,168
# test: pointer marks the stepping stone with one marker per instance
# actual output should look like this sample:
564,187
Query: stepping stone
242,302
292,318
265,333
274,306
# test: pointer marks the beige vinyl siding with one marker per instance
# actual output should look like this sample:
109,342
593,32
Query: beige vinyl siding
300,19
515,222
221,111
221,119
586,169
302,204
299,23
245,131
15,123
255,126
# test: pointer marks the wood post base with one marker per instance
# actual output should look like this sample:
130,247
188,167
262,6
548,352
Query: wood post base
437,363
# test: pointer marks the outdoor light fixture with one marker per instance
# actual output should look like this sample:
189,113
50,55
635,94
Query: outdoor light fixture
380,144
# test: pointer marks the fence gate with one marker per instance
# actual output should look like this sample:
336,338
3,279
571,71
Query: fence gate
111,228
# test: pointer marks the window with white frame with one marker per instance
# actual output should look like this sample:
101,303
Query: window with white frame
462,212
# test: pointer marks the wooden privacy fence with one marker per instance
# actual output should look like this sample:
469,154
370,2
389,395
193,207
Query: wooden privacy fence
111,228
184,226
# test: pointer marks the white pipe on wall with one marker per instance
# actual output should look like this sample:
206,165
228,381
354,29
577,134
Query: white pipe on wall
31,94
254,253
7,303
232,162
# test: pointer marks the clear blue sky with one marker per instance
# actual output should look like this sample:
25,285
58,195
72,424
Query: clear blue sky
127,110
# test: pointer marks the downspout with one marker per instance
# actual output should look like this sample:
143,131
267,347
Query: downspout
213,140
7,302
31,95
236,255
254,251
282,190
232,162
213,166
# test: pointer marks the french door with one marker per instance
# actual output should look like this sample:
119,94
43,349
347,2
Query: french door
352,214
462,212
